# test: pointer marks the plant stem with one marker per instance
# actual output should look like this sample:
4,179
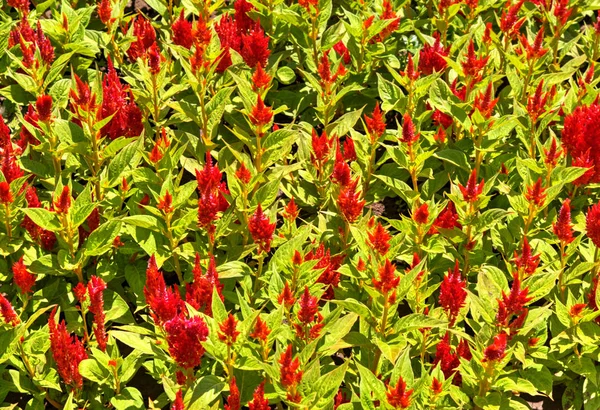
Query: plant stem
7,221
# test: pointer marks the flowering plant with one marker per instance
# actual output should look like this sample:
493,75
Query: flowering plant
315,205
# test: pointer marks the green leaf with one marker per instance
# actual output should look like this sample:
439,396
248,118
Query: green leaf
91,370
101,240
286,75
129,398
44,218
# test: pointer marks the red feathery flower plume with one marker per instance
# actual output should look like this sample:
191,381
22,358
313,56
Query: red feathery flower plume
145,37
398,397
330,266
67,351
309,326
447,219
409,131
563,228
536,193
105,12
453,293
46,238
592,224
178,403
388,280
7,312
349,202
182,32
95,288
533,51
23,279
349,153
473,65
450,361
379,239
485,103
261,330
286,297
259,401
497,350
63,202
536,104
255,47
581,138
184,336
243,174
411,72
320,146
508,22
6,196
342,50
233,401
165,303
228,333
43,106
199,293
261,229
165,203
527,262
260,79
261,115
291,211
472,191
513,303
432,57
421,214
290,376
375,124
341,170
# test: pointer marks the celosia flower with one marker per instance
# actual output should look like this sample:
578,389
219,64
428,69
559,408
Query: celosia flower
209,176
145,37
473,65
375,124
228,333
105,12
592,224
261,115
43,106
261,330
165,303
513,303
290,376
379,239
23,279
341,170
165,203
487,35
534,51
563,228
243,174
184,336
562,11
67,351
388,280
342,50
592,296
585,160
536,104
310,5
6,196
447,219
182,32
255,47
261,229
154,59
398,397
409,131
95,288
349,152
552,154
576,309
472,191
10,167
436,386
453,293
431,57
80,292
330,275
63,202
527,262
349,202
22,5
485,103
536,194
497,350
411,72
291,211
178,403
320,146
260,79
233,401
92,222
421,214
309,306
7,313
259,401
508,22
199,293
242,20
447,360
388,14
580,136
286,297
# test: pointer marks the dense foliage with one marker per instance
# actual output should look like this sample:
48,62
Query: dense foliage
313,205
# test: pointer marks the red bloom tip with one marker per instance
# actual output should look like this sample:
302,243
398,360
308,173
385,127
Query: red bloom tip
297,258
80,292
563,228
412,73
348,201
156,154
472,191
255,47
513,304
388,280
527,261
261,229
259,401
421,214
472,65
243,174
398,397
320,146
592,224
182,32
165,303
184,337
485,103
124,185
105,12
309,306
576,309
6,196
199,293
261,115
342,50
154,58
95,288
432,57
497,350
166,203
375,124
7,312
508,22
63,202
409,131
67,351
487,35
536,194
178,403
260,79
290,375
228,333
436,386
261,330
447,219
23,279
43,106
291,211
453,293
233,401
379,239
286,297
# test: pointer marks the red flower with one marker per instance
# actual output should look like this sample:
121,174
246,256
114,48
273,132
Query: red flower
10,167
286,297
95,288
447,360
184,337
261,115
536,194
309,306
261,229
536,105
182,32
7,312
341,170
261,330
563,228
260,79
472,65
209,177
472,191
156,154
447,219
398,397
165,303
412,73
409,132
534,51
80,292
67,351
145,37
487,35
154,59
421,214
199,293
388,280
513,303
349,153
255,47
388,14
178,403
166,203
290,376
348,202
453,293
46,238
592,296
320,146
259,401
233,401
436,386
561,11
375,124
243,174
431,57
21,277
6,196
508,22
22,5
592,224
291,211
63,202
342,50
228,333
485,103
308,3
379,239
497,350
43,106
105,12
330,275
527,262
242,20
